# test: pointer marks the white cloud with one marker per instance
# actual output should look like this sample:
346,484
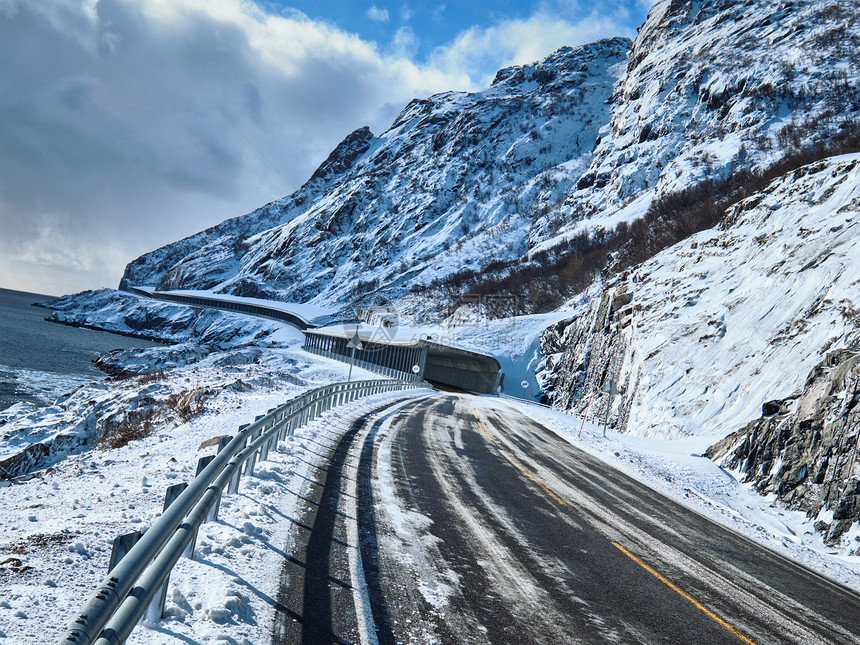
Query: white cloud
125,122
481,51
377,15
404,44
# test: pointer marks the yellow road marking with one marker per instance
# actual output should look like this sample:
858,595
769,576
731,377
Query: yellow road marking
533,478
486,434
484,431
684,595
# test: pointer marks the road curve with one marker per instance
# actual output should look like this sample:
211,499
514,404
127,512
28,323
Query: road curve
457,519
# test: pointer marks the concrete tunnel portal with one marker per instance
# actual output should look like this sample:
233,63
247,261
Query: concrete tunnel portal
437,363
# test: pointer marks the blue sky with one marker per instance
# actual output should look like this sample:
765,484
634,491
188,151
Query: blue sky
129,124
438,23
432,25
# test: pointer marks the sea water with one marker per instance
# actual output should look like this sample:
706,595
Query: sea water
40,360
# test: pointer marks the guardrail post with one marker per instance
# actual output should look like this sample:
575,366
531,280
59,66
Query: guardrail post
121,545
252,460
212,515
250,464
202,463
283,427
234,481
172,493
264,450
155,610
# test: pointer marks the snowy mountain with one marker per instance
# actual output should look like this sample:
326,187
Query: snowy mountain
583,140
456,175
712,88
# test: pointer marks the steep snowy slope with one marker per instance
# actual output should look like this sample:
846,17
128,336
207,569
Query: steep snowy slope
457,181
708,330
711,88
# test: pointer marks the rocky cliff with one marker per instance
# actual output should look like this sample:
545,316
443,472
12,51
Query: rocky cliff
709,329
713,88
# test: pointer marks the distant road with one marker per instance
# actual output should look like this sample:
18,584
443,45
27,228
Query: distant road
250,306
479,525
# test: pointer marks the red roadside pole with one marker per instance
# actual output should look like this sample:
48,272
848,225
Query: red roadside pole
585,416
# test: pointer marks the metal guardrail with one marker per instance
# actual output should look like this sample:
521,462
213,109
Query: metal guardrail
367,365
114,609
570,413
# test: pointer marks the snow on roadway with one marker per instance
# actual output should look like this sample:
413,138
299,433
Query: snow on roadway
674,468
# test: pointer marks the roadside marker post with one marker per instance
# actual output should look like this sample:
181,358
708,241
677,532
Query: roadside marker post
354,344
585,416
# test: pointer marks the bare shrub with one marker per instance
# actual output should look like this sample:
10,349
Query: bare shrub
124,427
550,277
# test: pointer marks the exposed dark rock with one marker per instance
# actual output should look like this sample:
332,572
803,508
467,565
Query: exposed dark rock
771,408
345,154
584,353
815,446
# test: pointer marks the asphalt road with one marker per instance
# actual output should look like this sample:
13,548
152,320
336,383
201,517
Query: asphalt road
457,519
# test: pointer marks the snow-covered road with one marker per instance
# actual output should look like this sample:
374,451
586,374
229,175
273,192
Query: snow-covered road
474,523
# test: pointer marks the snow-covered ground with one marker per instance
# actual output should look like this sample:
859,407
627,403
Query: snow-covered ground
676,468
739,314
58,523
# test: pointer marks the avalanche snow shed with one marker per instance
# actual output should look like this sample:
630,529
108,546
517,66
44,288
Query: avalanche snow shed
437,363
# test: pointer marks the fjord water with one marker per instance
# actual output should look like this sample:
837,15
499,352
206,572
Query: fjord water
40,360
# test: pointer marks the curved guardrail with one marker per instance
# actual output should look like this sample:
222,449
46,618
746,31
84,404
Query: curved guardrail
114,609
259,310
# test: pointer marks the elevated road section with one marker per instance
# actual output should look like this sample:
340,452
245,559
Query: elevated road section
281,311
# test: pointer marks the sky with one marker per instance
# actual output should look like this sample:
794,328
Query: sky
129,124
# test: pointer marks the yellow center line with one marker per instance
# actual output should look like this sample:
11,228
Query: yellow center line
486,434
684,595
533,478
484,431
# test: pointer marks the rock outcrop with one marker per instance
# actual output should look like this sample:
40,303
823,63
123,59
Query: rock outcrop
583,354
803,449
